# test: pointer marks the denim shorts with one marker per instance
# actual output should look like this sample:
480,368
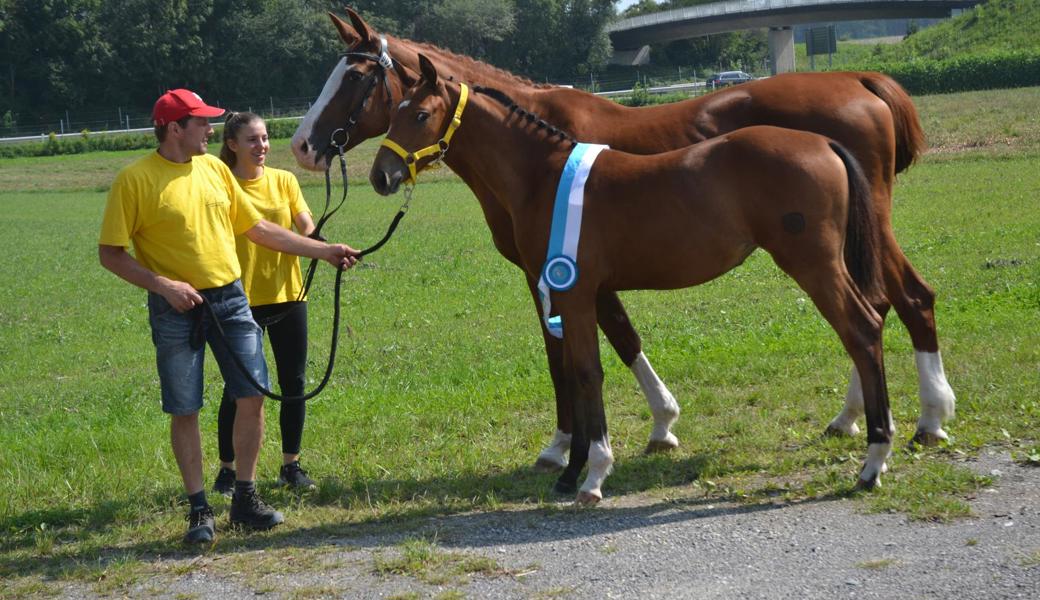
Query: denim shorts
180,361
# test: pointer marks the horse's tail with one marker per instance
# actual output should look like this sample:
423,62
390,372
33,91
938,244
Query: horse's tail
910,142
862,245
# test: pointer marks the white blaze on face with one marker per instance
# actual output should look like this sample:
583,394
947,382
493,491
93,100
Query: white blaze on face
303,132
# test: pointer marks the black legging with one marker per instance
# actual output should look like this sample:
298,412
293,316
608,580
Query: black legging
288,334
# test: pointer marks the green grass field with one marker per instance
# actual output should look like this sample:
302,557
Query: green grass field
441,400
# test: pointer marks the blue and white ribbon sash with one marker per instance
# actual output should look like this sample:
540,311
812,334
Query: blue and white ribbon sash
560,271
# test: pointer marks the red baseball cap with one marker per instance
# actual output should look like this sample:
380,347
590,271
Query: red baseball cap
180,103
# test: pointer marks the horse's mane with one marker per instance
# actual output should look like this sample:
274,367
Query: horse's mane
504,99
499,72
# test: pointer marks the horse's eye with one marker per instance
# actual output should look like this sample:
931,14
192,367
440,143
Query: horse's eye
422,116
355,76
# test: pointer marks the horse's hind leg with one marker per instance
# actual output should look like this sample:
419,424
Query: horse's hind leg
914,302
859,326
613,320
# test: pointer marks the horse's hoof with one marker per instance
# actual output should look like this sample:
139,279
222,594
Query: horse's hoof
868,485
655,446
929,438
564,487
834,431
544,465
587,498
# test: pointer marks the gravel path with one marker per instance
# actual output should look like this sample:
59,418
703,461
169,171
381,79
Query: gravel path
633,548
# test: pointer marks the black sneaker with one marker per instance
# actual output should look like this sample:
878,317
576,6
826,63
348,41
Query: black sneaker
200,526
293,475
225,482
248,510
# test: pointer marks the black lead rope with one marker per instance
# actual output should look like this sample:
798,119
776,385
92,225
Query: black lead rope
310,274
252,380
316,234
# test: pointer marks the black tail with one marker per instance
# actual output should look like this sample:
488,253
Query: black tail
862,257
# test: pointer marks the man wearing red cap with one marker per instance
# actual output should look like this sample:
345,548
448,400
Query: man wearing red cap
181,208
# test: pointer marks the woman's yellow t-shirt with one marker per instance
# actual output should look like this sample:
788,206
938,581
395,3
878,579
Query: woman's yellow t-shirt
181,217
268,276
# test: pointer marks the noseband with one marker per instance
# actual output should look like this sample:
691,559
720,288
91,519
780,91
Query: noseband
439,149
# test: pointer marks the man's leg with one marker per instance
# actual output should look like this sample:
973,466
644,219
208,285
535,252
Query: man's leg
244,339
247,434
246,506
180,376
187,448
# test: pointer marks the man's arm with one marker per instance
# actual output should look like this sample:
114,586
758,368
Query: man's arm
272,236
181,296
304,223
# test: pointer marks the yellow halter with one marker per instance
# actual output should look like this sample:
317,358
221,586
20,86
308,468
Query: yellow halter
412,158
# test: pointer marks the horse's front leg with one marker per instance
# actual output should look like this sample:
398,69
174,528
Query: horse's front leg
613,320
554,456
584,380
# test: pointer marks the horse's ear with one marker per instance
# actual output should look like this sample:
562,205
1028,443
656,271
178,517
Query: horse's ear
429,72
362,27
408,76
347,33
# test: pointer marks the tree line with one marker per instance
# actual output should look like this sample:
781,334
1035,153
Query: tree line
57,55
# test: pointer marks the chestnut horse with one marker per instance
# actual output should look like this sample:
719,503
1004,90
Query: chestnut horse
658,221
868,113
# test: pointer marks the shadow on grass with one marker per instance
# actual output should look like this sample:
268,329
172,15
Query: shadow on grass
403,509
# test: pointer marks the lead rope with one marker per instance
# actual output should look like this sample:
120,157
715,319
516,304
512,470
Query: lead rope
385,62
310,274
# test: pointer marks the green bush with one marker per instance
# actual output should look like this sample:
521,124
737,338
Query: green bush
90,141
86,142
992,70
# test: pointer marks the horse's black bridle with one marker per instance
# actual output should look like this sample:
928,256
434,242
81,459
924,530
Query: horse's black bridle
336,147
384,63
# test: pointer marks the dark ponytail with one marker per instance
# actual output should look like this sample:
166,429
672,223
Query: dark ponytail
234,122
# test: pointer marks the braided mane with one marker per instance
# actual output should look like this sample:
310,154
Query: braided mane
504,99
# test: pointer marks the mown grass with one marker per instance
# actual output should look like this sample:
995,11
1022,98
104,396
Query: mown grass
440,400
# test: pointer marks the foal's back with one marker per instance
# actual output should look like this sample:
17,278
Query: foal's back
684,217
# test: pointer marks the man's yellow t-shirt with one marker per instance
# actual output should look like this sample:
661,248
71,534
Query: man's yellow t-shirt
181,217
268,276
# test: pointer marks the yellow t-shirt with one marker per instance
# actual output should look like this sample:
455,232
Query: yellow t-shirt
181,217
269,276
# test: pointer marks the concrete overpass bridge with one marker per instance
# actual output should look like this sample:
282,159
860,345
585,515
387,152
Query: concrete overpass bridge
631,37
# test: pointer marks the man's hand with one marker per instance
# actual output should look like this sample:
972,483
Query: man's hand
181,296
341,256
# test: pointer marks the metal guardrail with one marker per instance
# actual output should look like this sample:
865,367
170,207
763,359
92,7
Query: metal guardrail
661,89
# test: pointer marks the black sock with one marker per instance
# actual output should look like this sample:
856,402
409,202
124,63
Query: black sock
198,501
245,488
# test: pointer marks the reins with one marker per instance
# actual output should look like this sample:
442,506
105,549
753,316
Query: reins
385,62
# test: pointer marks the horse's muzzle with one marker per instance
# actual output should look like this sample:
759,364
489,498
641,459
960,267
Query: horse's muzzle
385,183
